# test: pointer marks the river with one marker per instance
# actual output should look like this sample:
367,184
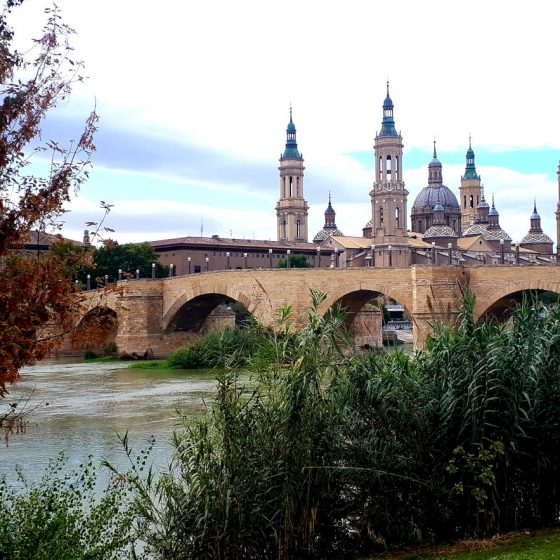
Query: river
89,403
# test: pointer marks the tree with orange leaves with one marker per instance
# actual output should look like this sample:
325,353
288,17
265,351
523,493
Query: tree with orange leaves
36,293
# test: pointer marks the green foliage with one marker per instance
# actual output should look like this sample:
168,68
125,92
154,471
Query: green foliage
61,518
296,261
331,454
128,257
229,348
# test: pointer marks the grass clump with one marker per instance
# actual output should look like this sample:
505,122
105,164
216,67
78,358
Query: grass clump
229,348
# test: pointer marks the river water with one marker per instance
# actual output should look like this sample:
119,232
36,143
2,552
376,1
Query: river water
89,403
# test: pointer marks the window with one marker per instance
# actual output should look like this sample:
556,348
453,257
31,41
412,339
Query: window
389,169
471,200
298,229
397,217
381,216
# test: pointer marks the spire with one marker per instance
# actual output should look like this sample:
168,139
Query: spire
330,216
470,168
291,151
535,220
388,123
434,169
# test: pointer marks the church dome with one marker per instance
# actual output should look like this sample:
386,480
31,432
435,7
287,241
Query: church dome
325,233
428,197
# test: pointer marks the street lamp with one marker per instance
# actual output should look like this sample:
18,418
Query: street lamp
153,271
106,279
449,252
390,255
319,257
207,259
336,257
270,257
245,256
288,258
88,282
120,274
373,255
137,274
228,255
189,261
502,260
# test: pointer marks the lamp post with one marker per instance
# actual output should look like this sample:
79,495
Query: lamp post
434,253
153,271
170,270
288,258
189,261
502,260
227,256
120,273
390,255
373,255
88,282
270,257
336,257
449,253
137,274
106,279
319,257
207,260
245,257
517,253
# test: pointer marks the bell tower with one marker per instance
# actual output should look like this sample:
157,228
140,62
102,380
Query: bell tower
389,196
470,191
558,214
292,208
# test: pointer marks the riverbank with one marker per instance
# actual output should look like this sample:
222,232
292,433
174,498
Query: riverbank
527,545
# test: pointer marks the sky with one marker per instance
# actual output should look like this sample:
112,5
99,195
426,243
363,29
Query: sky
194,99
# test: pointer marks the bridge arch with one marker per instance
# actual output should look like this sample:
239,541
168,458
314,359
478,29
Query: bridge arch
189,312
354,300
501,304
96,330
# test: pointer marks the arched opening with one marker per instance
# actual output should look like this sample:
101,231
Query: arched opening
502,308
96,332
208,313
375,320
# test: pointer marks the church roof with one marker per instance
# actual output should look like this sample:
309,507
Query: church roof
487,233
534,237
440,231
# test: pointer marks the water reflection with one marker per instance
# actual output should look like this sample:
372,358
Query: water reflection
89,403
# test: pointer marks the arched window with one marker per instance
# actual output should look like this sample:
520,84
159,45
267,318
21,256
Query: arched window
380,168
298,229
397,217
389,168
291,186
471,201
381,216
297,187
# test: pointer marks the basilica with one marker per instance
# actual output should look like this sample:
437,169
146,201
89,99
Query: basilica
444,228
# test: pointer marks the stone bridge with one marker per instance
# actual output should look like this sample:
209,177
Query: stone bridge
164,314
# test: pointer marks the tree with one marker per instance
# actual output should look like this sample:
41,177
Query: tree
296,261
128,258
36,293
